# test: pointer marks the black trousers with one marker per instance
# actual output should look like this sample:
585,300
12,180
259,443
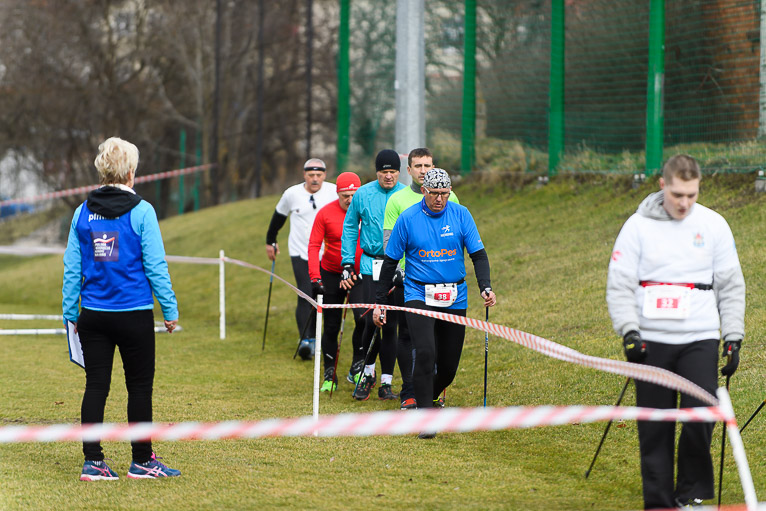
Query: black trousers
697,362
386,347
437,345
404,353
133,333
304,312
332,318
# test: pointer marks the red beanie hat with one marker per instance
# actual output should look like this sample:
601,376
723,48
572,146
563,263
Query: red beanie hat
347,181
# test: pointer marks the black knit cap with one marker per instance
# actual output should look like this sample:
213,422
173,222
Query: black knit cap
387,159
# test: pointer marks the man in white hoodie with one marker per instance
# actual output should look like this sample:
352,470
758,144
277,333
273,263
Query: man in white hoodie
675,287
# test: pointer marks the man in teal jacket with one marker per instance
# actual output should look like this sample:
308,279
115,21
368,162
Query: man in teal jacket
368,208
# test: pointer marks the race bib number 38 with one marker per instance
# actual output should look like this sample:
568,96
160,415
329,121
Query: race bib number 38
441,295
106,245
667,302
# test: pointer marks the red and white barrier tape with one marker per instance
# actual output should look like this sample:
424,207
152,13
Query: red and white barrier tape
85,189
554,350
549,348
399,422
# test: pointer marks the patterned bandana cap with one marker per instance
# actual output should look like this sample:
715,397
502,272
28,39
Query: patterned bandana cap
437,178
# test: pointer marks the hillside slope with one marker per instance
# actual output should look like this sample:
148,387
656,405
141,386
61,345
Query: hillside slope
549,249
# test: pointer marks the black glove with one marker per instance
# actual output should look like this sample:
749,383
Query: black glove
316,288
348,272
634,347
731,352
399,277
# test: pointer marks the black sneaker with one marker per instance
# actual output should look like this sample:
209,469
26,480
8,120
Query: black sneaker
362,391
306,349
439,403
385,392
426,436
688,503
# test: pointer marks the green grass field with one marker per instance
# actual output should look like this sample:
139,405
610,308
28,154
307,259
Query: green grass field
549,248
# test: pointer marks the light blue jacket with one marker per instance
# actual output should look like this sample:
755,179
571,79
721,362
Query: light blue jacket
368,207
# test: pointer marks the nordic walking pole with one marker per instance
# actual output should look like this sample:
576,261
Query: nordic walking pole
606,431
723,444
752,416
340,340
268,300
486,355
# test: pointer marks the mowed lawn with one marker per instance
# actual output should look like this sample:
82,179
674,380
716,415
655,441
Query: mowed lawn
549,249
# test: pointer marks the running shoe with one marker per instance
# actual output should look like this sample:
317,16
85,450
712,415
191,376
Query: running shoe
689,503
328,386
439,403
426,436
152,469
355,371
330,383
306,349
409,404
97,471
385,392
362,391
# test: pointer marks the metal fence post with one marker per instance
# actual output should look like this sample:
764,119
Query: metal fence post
655,88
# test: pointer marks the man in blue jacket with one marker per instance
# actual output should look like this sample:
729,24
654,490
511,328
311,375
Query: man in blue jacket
368,207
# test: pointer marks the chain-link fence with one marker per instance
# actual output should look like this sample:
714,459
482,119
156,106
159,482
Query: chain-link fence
710,93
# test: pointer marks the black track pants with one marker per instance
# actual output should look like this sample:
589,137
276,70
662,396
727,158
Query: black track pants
404,353
438,345
697,362
356,295
386,346
133,333
304,312
332,318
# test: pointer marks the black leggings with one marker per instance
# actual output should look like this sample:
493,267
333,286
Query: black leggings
133,333
304,312
387,346
437,345
332,318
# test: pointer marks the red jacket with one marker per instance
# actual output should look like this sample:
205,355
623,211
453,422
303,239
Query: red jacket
328,228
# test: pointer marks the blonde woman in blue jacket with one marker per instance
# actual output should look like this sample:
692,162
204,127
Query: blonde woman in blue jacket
114,266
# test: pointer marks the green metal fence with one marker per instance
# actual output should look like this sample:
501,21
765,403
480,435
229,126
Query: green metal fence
587,85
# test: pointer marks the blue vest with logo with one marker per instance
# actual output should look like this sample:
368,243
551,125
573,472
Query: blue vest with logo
112,265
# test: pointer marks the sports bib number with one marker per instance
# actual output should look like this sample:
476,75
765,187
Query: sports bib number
667,302
377,264
441,295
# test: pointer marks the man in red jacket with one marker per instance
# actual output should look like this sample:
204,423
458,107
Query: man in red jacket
326,276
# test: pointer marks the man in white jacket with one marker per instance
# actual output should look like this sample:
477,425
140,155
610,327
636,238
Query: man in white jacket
675,287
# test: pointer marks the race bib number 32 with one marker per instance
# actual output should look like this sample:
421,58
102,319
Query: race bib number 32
667,302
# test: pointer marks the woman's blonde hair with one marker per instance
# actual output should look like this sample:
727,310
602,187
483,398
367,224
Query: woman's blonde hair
116,158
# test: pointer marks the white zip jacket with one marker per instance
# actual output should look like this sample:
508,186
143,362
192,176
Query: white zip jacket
700,249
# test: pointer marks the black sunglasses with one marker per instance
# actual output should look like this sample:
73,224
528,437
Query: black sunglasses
313,203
